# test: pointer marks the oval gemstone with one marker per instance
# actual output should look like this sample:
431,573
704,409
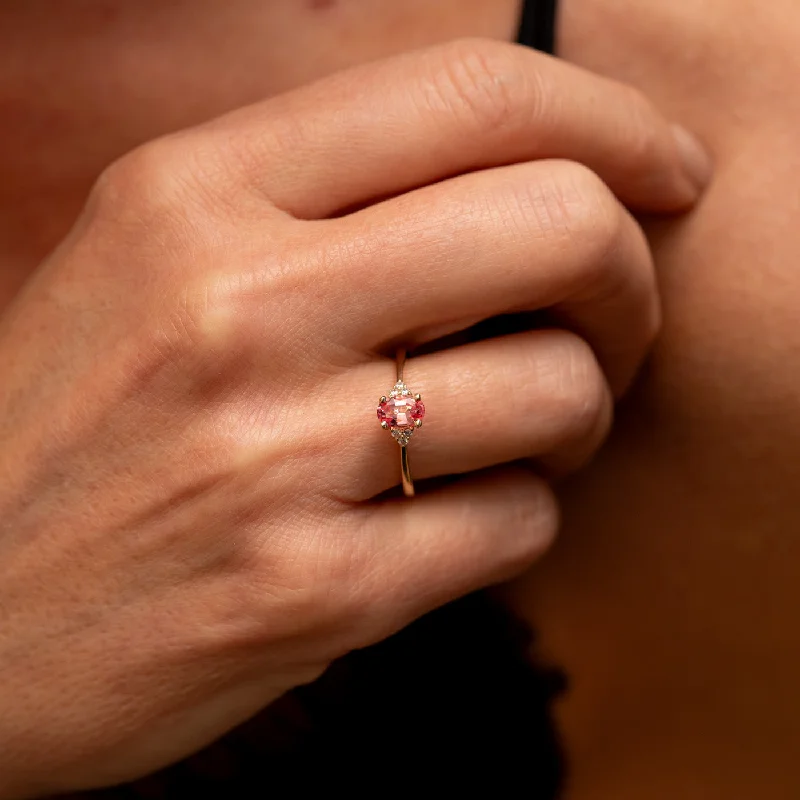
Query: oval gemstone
401,412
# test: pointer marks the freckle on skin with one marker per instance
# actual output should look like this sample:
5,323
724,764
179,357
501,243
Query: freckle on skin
321,5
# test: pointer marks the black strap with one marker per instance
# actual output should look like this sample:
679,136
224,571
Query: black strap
537,28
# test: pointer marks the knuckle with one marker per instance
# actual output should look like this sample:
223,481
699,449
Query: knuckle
173,182
594,219
569,203
142,177
581,395
210,315
524,526
479,80
537,519
195,340
215,328
643,141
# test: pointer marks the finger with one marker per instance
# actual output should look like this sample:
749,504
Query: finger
527,237
382,129
415,556
539,395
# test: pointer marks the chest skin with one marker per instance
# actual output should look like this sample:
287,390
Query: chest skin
671,597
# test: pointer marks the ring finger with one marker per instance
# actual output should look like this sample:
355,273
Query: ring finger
539,394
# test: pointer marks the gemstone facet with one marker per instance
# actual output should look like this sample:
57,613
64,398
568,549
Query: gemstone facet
401,412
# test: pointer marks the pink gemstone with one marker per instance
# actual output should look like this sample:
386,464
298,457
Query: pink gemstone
401,412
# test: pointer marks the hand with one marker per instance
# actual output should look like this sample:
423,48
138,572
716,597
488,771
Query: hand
191,510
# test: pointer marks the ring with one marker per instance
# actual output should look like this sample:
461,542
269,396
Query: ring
402,413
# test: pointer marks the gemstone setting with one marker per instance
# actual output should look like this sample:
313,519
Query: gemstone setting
401,412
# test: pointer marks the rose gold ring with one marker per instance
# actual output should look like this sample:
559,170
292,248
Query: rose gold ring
401,413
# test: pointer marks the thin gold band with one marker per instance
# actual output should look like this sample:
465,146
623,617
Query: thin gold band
401,363
408,484
405,469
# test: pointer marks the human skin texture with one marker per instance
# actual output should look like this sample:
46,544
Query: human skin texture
108,77
670,597
194,515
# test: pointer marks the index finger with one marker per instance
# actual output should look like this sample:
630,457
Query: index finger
384,128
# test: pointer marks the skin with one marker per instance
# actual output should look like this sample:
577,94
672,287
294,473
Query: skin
181,371
669,598
166,67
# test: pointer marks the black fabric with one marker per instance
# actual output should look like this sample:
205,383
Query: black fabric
537,27
455,704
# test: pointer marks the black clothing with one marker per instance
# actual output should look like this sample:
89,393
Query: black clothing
537,26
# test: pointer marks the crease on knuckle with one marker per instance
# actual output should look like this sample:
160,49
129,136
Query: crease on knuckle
233,316
195,339
479,81
643,143
538,516
568,205
595,224
578,390
208,315
537,208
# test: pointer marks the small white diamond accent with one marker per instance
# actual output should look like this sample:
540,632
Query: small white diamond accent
402,436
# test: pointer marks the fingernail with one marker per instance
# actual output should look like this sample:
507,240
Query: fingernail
697,163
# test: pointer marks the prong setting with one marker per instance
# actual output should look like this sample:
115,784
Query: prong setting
401,412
